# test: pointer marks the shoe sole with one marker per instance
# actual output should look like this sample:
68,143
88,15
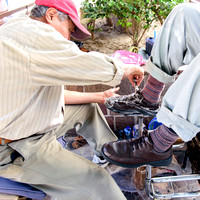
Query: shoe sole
135,111
153,163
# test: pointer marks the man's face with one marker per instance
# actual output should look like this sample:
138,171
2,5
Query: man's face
66,27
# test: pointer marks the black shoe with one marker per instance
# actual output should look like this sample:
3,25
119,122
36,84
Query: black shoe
135,152
133,104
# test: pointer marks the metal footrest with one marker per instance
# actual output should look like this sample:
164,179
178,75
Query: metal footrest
162,187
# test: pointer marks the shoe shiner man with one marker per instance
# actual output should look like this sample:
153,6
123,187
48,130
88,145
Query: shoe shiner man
177,44
36,61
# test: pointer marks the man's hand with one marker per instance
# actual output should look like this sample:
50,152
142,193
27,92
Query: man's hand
109,93
74,97
134,71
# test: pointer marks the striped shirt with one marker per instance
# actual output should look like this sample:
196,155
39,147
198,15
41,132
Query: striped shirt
36,62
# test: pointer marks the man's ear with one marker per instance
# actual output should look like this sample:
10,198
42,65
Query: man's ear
51,15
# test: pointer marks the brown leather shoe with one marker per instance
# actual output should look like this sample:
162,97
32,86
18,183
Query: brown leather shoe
135,152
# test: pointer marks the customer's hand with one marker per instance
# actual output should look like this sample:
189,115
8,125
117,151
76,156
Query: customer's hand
134,71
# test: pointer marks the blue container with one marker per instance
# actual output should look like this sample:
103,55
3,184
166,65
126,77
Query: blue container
128,132
154,124
136,129
121,135
149,45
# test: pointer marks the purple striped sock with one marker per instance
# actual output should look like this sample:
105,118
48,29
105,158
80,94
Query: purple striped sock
163,137
152,89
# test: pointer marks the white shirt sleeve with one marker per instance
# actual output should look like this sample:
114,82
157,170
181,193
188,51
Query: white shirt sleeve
57,61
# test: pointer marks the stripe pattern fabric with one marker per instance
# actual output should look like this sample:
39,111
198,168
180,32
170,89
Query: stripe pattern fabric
36,62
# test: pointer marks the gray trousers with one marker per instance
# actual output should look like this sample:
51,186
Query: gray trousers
178,44
58,172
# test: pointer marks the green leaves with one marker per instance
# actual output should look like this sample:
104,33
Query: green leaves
138,14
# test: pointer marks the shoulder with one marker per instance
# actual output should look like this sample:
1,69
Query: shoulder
29,32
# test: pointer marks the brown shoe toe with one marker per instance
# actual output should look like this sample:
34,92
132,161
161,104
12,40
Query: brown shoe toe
135,152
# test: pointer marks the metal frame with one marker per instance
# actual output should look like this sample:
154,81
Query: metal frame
169,194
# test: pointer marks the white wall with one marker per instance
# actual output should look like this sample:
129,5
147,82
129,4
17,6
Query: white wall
12,4
78,4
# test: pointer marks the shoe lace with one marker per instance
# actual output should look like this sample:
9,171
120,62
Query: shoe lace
134,96
137,143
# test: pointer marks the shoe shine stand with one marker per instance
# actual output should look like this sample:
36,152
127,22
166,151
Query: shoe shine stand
161,187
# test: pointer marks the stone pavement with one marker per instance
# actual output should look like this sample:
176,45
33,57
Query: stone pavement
131,181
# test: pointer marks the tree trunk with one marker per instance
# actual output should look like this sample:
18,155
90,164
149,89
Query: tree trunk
135,32
109,22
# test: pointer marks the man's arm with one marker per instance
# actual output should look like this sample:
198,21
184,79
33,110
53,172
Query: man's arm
71,66
73,97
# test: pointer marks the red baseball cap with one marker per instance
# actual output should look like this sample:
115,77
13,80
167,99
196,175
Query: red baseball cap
68,7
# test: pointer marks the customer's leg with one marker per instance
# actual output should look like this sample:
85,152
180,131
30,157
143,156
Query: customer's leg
176,45
90,123
177,42
180,117
56,171
180,107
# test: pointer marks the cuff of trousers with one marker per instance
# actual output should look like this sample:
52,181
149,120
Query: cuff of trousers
183,128
157,73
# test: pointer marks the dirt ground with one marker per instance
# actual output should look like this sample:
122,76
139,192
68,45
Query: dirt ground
108,39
